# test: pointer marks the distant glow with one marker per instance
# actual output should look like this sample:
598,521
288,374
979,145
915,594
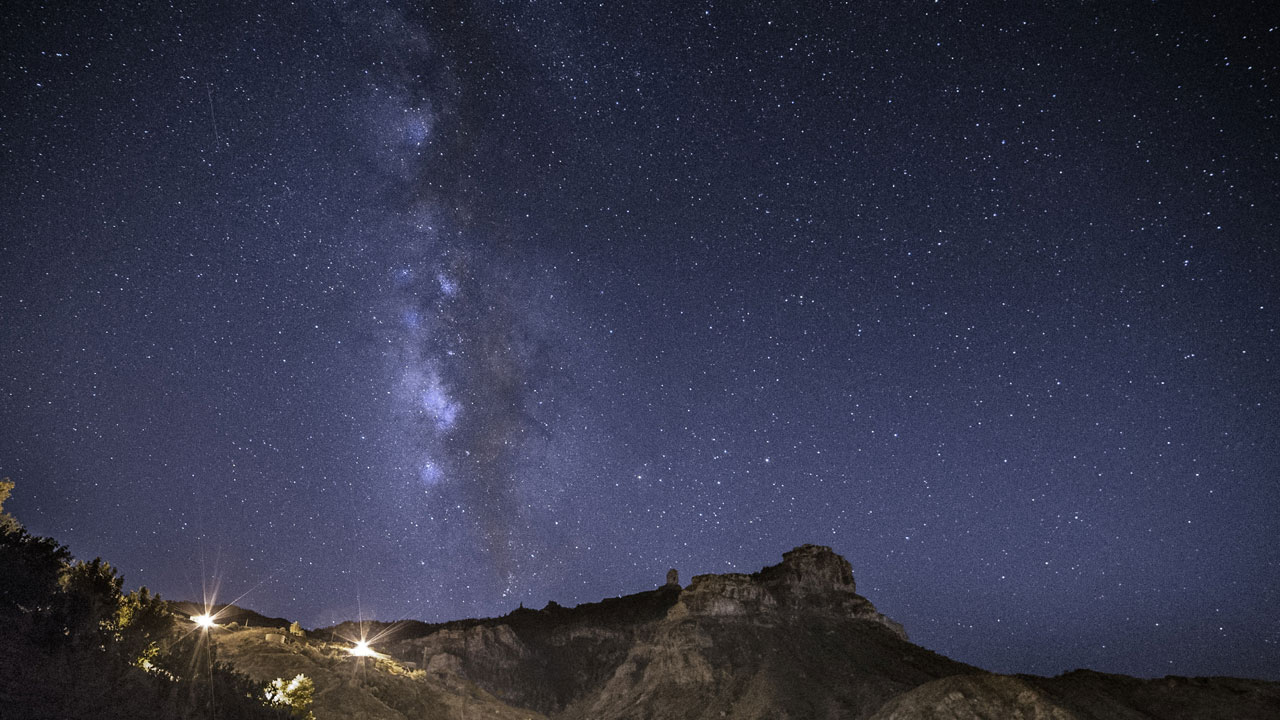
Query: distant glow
417,127
448,285
430,474
437,403
205,621
362,649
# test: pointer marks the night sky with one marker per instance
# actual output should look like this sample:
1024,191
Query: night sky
380,310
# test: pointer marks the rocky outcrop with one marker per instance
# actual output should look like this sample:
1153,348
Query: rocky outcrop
974,697
1102,696
1084,695
810,580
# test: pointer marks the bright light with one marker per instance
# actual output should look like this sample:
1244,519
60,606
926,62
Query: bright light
362,649
204,621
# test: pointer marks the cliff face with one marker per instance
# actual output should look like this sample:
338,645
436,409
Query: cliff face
810,581
793,640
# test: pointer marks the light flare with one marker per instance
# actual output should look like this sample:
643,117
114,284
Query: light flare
362,649
362,645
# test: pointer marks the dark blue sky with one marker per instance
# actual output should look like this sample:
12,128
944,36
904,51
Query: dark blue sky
397,311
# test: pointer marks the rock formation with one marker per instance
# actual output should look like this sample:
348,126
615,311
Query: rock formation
810,580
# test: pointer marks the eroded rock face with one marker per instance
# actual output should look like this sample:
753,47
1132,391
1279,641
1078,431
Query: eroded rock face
733,594
974,697
492,654
809,570
810,579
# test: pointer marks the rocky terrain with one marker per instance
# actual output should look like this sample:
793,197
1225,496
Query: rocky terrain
794,640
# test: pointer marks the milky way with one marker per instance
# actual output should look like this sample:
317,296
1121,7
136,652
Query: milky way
472,373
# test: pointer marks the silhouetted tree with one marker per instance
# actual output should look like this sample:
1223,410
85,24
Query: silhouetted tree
73,645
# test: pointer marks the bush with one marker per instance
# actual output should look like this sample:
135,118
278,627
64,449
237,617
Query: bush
296,695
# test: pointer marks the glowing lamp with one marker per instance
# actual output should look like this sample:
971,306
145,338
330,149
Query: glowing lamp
203,621
362,649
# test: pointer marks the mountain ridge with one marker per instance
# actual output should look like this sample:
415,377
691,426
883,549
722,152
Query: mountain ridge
792,640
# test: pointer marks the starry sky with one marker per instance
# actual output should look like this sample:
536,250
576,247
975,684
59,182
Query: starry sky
426,310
